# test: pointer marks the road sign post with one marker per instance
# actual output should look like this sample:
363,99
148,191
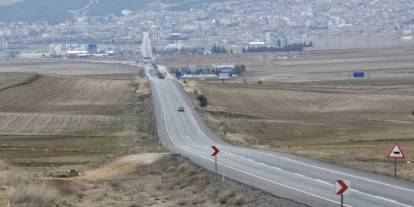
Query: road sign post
215,167
224,76
342,187
395,167
396,153
214,154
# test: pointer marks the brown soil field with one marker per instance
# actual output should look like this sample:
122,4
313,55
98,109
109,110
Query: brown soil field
67,95
58,121
346,127
64,67
67,106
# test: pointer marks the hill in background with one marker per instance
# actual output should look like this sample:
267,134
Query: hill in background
55,11
40,10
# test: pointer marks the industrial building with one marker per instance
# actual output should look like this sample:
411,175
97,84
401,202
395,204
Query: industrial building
78,50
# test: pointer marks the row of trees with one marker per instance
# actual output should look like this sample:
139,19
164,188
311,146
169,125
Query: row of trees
290,47
220,49
238,69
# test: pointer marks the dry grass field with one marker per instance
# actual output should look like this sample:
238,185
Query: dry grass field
309,65
348,122
354,129
150,179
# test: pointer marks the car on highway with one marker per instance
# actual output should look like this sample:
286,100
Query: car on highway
180,109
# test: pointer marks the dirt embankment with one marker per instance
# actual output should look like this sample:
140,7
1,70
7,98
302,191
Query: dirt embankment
10,80
135,181
350,128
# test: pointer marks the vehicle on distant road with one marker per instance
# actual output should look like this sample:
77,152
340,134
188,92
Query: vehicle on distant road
180,109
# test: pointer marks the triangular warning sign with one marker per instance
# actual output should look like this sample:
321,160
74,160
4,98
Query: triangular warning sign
396,152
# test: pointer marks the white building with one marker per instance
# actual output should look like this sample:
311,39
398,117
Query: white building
257,44
4,43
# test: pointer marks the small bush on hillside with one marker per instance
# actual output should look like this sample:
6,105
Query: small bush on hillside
202,100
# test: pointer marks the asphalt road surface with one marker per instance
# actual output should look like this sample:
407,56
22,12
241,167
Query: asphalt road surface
303,180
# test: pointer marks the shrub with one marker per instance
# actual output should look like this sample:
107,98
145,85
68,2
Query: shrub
239,200
3,166
34,196
225,196
260,82
202,100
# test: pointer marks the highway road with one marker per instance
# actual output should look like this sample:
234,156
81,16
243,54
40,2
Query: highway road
299,179
146,47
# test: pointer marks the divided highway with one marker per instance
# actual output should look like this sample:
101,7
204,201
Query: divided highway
303,180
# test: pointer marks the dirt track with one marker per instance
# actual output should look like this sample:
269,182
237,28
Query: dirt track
122,166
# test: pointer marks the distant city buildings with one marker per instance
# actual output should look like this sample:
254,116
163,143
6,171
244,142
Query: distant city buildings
231,24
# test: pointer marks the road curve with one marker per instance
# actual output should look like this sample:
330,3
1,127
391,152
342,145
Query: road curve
299,179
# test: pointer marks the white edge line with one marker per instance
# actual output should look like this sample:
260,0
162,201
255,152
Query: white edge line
318,180
335,171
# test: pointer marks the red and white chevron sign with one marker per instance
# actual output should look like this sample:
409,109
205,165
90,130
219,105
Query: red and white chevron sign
215,151
342,187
